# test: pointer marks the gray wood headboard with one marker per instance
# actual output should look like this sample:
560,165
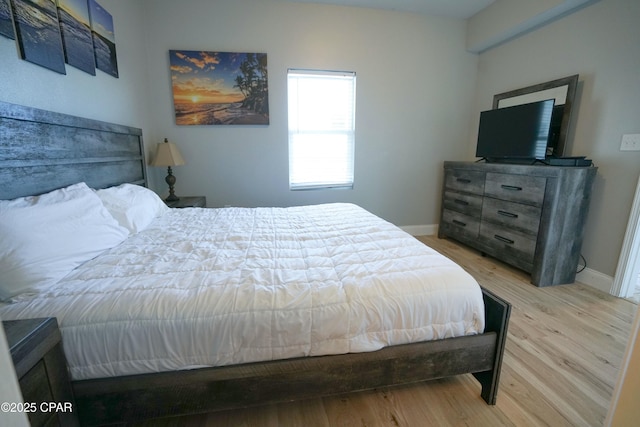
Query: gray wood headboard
42,150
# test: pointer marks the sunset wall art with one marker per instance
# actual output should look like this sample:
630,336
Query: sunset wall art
76,34
219,88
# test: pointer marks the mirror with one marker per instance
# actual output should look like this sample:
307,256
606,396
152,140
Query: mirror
563,91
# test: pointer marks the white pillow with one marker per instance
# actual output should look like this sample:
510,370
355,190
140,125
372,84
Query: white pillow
133,206
43,238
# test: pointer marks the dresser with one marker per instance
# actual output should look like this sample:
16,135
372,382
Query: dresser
529,216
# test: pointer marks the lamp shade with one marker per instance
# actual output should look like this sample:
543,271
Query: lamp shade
167,154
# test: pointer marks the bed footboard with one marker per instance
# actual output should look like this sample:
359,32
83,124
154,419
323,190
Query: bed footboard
497,312
116,400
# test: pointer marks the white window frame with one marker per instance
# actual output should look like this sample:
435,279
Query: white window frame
321,128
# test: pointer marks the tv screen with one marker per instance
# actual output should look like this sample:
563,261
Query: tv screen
520,132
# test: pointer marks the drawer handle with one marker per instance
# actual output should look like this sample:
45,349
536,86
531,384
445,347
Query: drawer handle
464,180
508,214
461,202
460,223
511,187
503,239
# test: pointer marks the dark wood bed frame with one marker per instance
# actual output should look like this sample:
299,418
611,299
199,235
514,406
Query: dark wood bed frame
42,150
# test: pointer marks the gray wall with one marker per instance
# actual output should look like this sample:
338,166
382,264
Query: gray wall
601,43
415,88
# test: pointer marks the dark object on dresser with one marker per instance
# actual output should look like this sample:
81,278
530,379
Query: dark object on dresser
531,217
568,161
36,350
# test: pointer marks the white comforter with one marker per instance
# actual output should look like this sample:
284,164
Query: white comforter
209,287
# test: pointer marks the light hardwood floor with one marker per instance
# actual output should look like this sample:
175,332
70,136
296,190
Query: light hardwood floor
564,348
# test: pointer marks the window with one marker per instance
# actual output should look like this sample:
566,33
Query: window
321,128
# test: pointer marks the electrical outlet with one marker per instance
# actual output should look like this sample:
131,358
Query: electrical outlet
630,142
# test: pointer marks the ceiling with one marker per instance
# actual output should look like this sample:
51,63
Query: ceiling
461,9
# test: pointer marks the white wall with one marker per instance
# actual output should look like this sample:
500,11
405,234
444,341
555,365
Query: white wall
601,43
415,87
9,388
504,20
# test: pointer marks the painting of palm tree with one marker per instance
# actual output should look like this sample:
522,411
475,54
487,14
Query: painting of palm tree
219,88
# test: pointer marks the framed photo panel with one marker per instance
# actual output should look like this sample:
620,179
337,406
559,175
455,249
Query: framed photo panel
38,33
6,23
75,26
219,88
104,41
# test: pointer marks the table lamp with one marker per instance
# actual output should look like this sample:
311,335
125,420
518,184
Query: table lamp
167,154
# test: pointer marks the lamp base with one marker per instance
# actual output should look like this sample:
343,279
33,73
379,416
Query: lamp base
171,181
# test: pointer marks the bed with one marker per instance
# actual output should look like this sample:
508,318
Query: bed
350,285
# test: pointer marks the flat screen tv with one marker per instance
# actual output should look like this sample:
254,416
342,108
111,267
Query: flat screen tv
515,134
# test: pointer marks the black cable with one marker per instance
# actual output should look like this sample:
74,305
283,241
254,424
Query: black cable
584,265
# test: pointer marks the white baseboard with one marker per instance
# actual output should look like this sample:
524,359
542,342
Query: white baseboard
595,279
588,276
420,230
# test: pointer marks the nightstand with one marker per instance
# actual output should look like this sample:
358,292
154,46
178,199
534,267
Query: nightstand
189,202
41,368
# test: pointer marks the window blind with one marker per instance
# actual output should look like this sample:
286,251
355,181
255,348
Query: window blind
321,128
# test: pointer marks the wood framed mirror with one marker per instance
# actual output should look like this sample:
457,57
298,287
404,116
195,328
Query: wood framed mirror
563,91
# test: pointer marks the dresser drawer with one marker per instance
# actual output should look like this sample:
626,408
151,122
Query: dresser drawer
509,243
458,223
516,188
464,203
514,216
468,181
